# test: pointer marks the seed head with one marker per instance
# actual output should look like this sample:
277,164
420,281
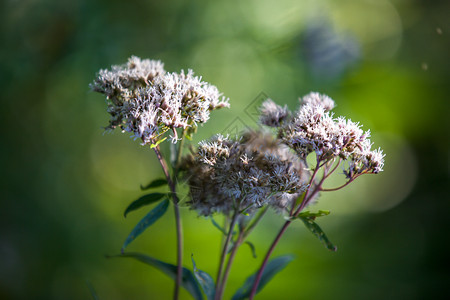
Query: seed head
243,174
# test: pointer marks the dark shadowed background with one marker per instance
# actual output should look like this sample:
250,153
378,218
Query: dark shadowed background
64,184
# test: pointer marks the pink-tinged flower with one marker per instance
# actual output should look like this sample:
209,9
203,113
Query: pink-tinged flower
314,129
273,115
244,174
145,100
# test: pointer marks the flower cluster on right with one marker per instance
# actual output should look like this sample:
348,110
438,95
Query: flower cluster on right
256,169
312,128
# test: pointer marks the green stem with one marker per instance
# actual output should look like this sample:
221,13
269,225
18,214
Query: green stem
179,231
250,228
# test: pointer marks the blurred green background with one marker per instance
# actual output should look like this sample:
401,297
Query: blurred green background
65,184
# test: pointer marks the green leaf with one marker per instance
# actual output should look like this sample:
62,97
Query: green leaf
205,280
252,248
144,200
157,143
310,215
92,290
244,211
318,232
147,221
273,267
218,226
188,279
190,132
230,246
154,184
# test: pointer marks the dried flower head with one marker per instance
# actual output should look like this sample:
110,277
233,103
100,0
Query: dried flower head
227,175
145,100
273,115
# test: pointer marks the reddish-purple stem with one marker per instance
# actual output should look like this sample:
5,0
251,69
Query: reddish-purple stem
306,199
266,259
179,233
219,288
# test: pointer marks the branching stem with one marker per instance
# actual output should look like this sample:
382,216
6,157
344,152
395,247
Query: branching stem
266,259
306,199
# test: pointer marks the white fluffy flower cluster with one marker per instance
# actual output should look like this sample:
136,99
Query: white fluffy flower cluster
273,115
145,100
316,99
227,175
118,82
314,129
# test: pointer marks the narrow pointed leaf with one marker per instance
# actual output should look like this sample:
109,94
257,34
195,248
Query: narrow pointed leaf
188,279
154,184
273,267
144,200
92,290
308,214
157,143
147,221
252,248
218,226
230,246
318,232
205,280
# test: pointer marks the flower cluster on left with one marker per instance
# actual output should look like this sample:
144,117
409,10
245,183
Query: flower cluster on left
147,101
153,104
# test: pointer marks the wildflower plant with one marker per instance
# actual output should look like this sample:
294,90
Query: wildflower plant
238,177
148,102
